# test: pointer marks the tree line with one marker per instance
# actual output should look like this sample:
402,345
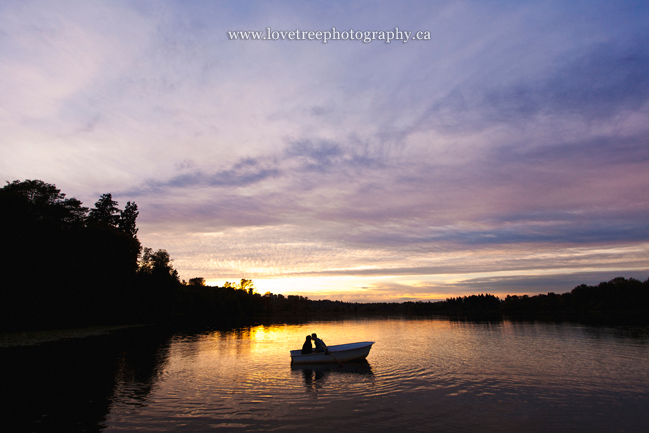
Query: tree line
619,300
63,264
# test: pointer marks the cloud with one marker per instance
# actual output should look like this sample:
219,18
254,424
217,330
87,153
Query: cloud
589,83
233,177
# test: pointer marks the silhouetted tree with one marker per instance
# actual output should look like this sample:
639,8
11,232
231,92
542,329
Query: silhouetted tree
127,218
198,281
157,263
247,285
34,200
106,211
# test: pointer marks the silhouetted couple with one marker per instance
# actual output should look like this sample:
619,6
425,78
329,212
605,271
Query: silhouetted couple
320,346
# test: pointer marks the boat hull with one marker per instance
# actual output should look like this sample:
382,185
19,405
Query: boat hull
338,353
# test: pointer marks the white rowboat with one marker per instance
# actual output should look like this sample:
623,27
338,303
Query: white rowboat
341,352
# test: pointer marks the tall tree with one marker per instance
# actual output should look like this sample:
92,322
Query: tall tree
127,219
105,211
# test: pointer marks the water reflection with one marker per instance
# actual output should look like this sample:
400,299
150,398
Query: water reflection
315,376
70,385
139,367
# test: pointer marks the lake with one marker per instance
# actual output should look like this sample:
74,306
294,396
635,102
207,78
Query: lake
422,374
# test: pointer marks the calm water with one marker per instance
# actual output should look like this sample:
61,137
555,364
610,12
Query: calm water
422,375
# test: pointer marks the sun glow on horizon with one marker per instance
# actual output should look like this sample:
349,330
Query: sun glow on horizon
403,288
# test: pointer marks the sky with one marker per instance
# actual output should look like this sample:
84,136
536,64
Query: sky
506,151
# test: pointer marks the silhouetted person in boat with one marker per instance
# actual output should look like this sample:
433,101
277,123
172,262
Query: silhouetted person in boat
306,347
320,346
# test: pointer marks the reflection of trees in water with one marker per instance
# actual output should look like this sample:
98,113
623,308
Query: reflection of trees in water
69,385
315,376
486,320
139,366
62,386
625,334
637,335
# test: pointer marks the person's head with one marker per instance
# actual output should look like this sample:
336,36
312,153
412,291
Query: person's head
313,335
308,338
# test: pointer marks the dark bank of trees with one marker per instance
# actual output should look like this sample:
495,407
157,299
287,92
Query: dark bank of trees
63,264
618,300
485,304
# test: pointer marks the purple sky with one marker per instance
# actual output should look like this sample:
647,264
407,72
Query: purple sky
509,153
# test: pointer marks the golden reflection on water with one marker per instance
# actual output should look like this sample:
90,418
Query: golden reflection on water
274,342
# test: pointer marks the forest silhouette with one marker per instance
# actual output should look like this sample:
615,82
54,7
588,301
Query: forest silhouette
67,265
